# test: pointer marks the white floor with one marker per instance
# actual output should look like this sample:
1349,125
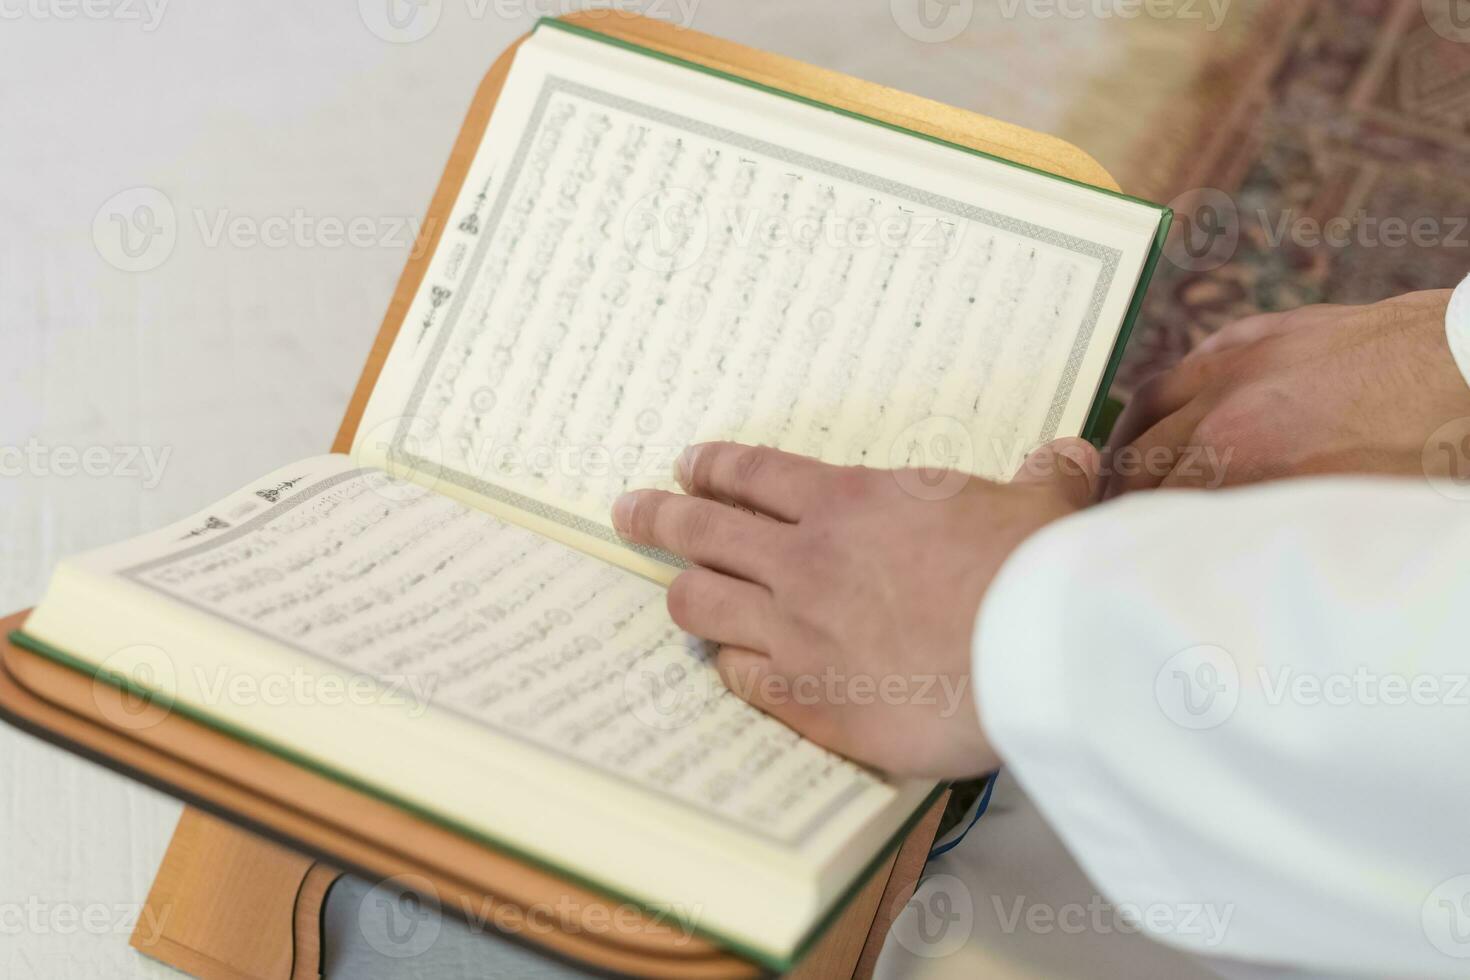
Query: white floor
227,357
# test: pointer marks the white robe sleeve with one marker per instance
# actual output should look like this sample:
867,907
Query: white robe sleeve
1457,327
1247,714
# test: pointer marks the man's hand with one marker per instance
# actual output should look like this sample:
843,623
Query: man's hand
843,604
1322,389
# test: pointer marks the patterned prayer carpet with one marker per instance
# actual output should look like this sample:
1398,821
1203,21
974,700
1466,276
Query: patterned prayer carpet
1338,172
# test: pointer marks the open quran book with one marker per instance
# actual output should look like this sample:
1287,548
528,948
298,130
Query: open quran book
645,253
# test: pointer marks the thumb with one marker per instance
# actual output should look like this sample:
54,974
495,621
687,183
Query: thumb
1070,466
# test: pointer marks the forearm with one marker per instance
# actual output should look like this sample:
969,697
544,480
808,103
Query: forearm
1249,708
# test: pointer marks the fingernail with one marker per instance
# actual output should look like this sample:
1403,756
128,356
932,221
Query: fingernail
684,466
622,512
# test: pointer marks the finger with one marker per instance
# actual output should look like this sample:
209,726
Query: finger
756,679
703,531
720,608
1163,395
1168,392
1071,467
1145,463
762,479
745,673
1250,329
1205,468
1195,477
1241,332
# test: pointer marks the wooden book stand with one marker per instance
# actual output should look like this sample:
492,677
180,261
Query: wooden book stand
246,874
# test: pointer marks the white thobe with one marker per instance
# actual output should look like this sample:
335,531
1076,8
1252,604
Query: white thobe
1252,707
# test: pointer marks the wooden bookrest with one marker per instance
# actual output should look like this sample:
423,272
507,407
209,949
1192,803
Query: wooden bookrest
236,902
247,872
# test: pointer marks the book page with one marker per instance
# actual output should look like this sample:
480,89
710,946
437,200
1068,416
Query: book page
645,256
507,686
534,641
